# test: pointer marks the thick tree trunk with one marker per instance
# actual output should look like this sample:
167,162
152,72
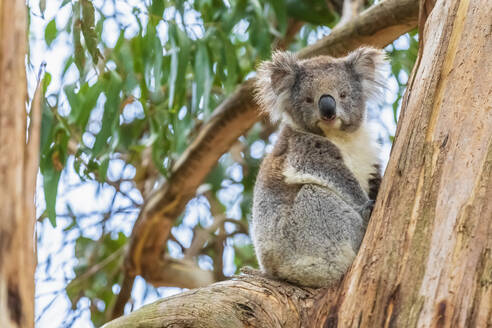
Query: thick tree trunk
426,258
18,167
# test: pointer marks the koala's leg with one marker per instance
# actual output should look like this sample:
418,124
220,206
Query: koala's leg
323,233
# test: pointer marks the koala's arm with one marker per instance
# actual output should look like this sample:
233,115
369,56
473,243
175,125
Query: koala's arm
315,160
375,182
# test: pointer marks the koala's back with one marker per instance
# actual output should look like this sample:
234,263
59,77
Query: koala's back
272,196
303,232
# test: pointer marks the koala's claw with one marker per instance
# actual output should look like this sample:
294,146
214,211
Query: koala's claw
366,210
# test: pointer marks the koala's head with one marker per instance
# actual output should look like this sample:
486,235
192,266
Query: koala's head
321,93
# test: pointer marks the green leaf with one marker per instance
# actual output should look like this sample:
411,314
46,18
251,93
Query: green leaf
181,45
74,100
111,116
47,124
53,158
79,55
173,75
64,2
311,11
259,39
89,103
83,102
156,65
156,11
89,30
139,55
103,168
231,64
203,77
216,176
46,81
280,10
51,176
50,32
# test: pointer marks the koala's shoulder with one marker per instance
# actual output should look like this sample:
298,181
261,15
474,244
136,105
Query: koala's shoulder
307,144
282,144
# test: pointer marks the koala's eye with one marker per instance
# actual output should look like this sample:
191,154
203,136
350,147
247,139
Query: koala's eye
309,100
343,94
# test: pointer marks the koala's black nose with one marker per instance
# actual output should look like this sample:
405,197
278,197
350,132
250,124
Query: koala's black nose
327,107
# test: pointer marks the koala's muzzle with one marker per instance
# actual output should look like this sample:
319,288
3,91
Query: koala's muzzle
327,107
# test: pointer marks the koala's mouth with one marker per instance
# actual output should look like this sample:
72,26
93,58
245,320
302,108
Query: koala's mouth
330,122
327,119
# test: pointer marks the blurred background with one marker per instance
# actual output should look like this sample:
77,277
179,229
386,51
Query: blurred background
127,86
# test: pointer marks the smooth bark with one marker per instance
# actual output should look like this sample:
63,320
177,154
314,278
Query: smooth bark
18,167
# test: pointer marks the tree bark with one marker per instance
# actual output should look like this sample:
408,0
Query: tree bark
426,258
18,168
249,300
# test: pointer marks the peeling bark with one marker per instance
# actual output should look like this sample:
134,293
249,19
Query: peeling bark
18,167
245,301
426,259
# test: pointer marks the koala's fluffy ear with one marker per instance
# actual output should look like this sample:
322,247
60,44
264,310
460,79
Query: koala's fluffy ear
274,78
371,66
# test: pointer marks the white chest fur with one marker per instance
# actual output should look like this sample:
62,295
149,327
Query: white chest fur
359,151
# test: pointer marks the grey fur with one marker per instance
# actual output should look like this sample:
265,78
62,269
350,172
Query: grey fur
310,211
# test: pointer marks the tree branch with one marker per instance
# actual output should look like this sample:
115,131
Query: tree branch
351,8
123,296
248,300
377,26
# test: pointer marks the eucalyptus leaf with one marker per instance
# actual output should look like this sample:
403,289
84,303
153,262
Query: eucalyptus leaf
280,9
203,77
88,29
51,164
51,176
110,118
50,32
78,53
180,53
46,81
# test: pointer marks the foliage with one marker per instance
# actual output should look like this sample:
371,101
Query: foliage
139,81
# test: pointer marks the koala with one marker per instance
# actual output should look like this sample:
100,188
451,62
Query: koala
315,191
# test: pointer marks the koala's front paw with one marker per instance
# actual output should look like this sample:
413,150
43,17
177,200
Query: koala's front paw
366,210
249,271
